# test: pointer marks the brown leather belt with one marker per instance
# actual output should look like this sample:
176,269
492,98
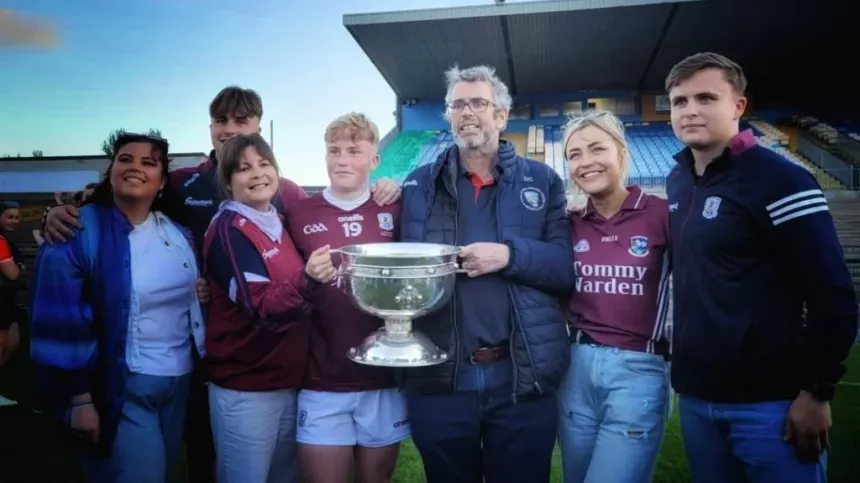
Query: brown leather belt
488,355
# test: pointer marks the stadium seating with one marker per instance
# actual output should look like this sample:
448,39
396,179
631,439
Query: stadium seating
403,154
554,151
849,128
823,131
772,137
846,216
652,147
652,150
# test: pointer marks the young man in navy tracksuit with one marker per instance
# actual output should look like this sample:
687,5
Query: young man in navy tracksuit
753,244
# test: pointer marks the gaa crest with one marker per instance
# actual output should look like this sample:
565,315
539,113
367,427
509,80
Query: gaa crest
582,246
532,199
638,246
386,221
712,207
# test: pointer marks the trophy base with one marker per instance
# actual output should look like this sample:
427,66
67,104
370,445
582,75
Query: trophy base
407,350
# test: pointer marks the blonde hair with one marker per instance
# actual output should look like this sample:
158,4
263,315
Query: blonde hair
354,127
611,125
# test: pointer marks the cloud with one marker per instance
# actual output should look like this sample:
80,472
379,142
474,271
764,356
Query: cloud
17,31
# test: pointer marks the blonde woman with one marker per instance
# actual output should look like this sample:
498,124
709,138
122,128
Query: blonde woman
613,399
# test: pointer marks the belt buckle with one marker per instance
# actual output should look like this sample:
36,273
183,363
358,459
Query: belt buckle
472,355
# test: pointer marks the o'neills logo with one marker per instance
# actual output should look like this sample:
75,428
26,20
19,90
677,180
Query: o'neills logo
192,202
616,279
355,217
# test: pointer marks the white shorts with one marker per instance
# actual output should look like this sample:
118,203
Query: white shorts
372,419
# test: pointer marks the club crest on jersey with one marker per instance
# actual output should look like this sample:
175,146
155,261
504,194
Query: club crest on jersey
386,221
581,246
712,207
638,246
532,199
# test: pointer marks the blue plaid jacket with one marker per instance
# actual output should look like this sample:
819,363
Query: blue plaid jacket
79,307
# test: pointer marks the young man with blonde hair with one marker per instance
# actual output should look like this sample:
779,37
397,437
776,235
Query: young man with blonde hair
349,414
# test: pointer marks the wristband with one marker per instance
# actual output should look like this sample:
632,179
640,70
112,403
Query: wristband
81,404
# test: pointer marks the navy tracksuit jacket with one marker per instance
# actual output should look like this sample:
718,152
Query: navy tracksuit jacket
753,243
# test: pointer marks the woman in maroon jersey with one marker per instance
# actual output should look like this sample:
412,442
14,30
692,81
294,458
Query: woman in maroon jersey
613,400
350,415
258,321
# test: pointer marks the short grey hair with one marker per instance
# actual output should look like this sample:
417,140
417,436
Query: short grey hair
479,73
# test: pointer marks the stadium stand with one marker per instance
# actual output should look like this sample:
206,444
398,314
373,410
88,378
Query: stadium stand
841,143
849,128
772,137
532,44
823,131
652,147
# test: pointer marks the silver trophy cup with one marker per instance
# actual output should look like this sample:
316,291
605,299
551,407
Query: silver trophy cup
398,282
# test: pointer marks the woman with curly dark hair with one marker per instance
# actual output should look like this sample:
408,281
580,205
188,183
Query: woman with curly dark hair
116,315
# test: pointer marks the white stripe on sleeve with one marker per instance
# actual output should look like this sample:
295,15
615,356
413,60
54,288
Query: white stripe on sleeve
796,205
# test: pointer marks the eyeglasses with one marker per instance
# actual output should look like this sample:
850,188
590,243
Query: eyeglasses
475,105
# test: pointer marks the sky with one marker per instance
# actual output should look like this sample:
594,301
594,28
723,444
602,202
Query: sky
141,64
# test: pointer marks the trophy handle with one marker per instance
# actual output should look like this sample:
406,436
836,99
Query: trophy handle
459,262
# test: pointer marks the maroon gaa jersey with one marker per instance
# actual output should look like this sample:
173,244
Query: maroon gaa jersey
337,324
622,274
257,325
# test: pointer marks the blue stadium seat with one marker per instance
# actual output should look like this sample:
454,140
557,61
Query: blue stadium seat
652,147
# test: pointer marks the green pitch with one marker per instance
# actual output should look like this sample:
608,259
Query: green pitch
32,453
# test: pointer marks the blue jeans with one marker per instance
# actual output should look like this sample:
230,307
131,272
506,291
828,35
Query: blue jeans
613,407
149,434
726,443
478,433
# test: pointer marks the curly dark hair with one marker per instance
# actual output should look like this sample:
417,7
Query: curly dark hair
168,202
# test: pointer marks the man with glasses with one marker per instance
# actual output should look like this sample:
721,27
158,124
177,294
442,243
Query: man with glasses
489,413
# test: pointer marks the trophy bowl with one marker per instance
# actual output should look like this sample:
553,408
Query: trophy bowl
398,282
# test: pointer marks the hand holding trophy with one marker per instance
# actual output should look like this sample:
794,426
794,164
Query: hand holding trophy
320,266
